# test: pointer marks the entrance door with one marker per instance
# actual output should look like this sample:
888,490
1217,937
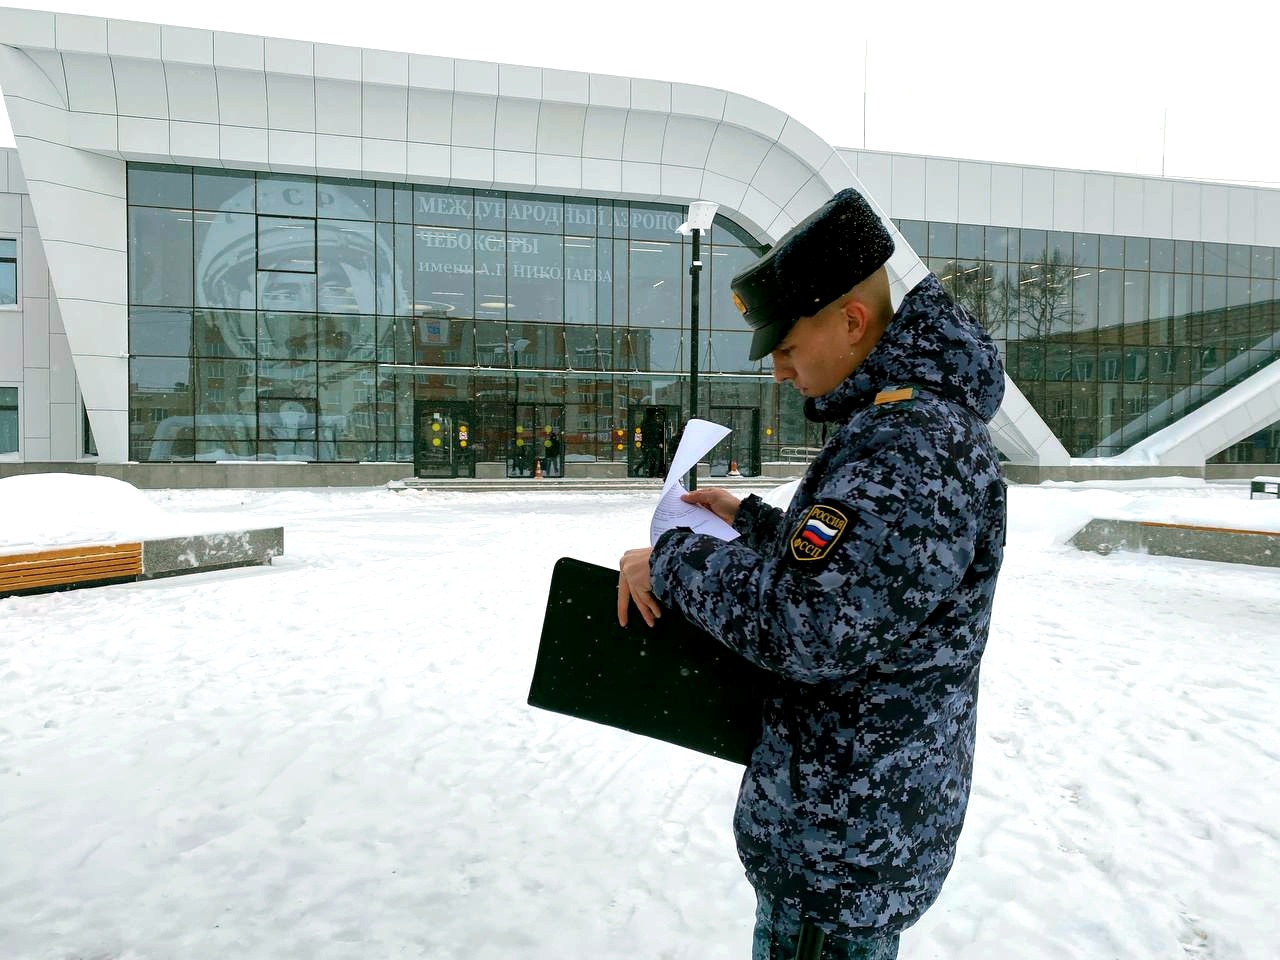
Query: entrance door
442,438
651,433
537,435
741,448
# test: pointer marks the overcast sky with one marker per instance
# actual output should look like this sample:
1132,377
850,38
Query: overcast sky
1122,85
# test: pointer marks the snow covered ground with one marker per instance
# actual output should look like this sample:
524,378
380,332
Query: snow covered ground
332,757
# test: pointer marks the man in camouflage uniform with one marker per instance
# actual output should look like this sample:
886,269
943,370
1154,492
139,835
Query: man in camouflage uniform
869,598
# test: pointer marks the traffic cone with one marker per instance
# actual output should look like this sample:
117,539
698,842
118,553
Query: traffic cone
537,469
733,469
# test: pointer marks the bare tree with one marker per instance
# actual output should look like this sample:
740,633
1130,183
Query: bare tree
1042,292
973,285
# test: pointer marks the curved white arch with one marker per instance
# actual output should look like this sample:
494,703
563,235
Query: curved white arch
86,94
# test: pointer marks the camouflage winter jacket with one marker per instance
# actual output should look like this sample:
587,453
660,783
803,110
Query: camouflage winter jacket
870,600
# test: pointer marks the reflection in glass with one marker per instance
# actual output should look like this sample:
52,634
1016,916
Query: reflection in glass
535,278
287,336
348,401
346,274
225,190
728,352
160,409
344,199
287,244
225,260
655,284
443,272
160,256
225,333
586,349
443,206
581,279
652,221
491,275
286,291
226,400
160,332
159,186
346,337
286,195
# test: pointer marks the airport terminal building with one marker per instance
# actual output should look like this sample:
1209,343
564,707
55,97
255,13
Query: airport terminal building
218,248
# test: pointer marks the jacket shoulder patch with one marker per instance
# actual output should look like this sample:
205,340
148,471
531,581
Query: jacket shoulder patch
893,396
819,530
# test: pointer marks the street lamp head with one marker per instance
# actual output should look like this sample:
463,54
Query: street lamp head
701,213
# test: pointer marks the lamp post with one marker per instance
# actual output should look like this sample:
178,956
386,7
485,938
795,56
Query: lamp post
701,214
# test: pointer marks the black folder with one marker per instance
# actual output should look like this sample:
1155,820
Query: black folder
672,681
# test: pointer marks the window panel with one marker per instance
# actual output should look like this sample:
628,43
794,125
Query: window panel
534,214
1215,259
8,271
225,190
339,199
653,221
287,336
655,295
287,244
159,186
581,279
587,347
286,195
160,409
942,240
160,332
444,285
491,267
443,207
970,242
8,420
916,233
226,333
535,277
347,402
491,209
160,256
346,337
286,291
226,400
1111,251
225,260
346,270
1137,253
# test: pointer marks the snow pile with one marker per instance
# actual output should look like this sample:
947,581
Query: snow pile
62,509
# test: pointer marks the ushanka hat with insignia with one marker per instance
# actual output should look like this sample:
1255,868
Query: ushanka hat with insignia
814,263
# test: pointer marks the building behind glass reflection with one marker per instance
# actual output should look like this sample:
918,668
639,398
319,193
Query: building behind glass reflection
232,248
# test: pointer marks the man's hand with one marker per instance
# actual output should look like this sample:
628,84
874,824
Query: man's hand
634,584
716,499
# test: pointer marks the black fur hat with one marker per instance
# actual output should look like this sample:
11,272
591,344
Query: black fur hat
814,263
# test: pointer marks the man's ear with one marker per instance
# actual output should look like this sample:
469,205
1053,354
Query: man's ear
858,316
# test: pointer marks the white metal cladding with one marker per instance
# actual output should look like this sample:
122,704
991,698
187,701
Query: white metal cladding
85,94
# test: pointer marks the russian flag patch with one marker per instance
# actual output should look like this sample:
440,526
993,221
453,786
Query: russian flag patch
818,532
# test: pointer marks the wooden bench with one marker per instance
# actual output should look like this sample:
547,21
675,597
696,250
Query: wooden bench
1264,486
69,567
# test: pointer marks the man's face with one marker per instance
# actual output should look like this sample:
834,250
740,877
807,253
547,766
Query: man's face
818,352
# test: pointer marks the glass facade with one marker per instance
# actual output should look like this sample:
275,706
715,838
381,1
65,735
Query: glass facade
279,317
1114,338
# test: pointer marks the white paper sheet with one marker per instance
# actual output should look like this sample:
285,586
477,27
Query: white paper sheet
698,439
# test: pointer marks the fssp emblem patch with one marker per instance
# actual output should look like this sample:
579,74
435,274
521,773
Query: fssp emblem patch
819,531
